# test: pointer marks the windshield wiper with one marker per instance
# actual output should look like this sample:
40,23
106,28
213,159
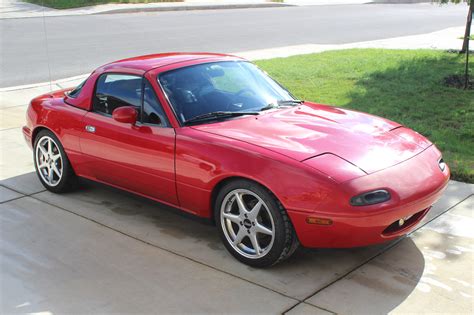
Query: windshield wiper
269,106
282,103
289,102
217,115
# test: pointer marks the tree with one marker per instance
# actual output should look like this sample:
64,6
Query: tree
467,35
465,46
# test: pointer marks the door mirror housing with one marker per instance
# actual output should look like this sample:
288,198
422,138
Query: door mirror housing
125,114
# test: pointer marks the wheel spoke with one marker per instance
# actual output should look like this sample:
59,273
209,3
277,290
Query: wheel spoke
43,165
50,147
50,175
55,170
255,210
255,245
232,217
56,157
239,237
240,203
43,150
262,229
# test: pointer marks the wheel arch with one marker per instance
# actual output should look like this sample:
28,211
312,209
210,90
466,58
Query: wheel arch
40,128
37,130
224,181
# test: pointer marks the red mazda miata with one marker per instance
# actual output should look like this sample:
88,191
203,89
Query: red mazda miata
213,135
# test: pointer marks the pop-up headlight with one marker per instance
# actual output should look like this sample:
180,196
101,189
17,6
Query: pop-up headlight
370,198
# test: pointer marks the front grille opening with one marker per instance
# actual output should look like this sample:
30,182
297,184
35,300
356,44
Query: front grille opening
395,227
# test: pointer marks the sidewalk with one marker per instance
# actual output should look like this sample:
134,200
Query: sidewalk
444,39
10,9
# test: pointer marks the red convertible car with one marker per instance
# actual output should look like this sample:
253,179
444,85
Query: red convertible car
214,136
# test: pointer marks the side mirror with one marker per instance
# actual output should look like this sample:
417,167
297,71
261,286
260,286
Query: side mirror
125,114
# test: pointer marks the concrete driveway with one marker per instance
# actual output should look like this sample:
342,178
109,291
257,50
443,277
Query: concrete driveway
100,250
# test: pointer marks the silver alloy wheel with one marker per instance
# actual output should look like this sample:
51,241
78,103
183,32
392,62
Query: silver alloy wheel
247,223
49,162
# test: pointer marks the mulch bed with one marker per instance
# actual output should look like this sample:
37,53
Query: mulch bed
457,81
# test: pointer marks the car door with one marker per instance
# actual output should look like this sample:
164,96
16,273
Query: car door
137,157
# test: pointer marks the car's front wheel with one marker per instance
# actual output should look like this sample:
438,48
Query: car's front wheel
253,225
51,163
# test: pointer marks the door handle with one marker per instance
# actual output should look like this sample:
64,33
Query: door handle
90,128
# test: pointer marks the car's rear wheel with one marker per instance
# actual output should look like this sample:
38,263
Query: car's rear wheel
51,163
253,225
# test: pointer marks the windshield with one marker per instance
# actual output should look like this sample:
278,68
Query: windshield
229,86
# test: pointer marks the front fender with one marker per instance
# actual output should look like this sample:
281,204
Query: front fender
203,160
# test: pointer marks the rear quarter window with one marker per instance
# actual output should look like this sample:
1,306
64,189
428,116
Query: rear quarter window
77,90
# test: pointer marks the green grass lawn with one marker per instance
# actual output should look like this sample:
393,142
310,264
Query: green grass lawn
68,4
401,85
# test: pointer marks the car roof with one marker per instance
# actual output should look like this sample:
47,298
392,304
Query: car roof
149,62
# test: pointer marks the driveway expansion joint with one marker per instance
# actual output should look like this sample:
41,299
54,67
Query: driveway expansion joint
15,198
319,307
23,195
19,192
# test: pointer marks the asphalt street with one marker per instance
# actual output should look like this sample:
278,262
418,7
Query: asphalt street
77,44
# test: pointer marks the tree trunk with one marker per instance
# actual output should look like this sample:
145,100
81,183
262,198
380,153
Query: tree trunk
466,71
467,33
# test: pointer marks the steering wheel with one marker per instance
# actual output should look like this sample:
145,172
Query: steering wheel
245,90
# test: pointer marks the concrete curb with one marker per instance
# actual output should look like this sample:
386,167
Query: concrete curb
28,10
20,10
196,7
60,83
400,1
40,12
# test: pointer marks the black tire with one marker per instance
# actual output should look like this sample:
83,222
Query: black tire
285,241
68,179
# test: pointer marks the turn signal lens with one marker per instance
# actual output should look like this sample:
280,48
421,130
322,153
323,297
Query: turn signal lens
319,221
370,198
442,165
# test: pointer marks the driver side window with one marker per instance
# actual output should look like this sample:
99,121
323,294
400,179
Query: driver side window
115,90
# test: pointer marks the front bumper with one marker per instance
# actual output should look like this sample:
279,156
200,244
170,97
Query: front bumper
415,185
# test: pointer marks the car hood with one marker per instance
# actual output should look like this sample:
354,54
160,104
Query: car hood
369,142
